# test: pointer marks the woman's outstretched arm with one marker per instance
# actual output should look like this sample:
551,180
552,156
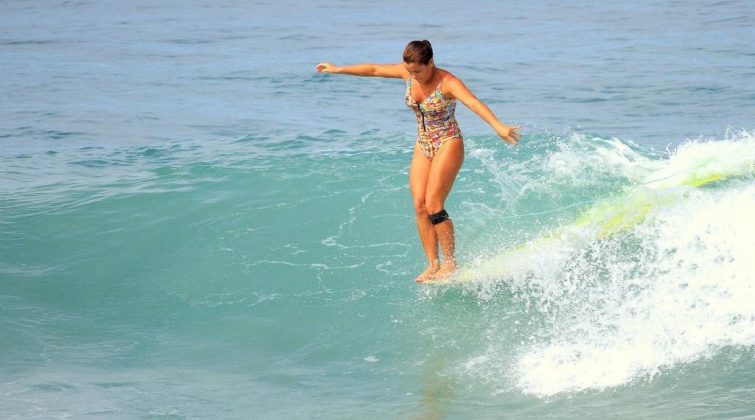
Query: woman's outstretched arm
457,88
392,71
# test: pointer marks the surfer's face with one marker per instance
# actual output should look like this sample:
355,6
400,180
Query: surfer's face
420,72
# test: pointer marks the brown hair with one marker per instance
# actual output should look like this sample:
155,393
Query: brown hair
420,52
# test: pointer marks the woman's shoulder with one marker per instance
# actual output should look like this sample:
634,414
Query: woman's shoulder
447,75
448,81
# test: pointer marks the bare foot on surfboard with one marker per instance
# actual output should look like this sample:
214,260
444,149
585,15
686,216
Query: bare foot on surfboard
427,274
446,270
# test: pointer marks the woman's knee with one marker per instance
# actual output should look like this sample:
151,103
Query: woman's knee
433,206
419,207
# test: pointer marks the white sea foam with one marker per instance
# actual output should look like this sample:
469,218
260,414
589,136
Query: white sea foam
687,294
578,160
664,286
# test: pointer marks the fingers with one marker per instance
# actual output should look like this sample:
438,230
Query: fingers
511,136
323,67
515,137
515,134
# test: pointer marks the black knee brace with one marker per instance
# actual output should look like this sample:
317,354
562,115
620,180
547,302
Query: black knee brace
439,217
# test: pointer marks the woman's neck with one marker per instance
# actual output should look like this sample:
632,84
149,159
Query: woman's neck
432,80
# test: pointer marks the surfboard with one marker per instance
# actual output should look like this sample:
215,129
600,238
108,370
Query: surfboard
447,280
600,221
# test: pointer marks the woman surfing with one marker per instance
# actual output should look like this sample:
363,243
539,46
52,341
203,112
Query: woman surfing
431,92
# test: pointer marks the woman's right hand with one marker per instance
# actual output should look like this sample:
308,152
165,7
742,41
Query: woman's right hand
326,68
508,133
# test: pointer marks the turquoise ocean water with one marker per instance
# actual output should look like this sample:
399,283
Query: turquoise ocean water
193,224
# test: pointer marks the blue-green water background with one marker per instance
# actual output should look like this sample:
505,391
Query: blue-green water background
193,224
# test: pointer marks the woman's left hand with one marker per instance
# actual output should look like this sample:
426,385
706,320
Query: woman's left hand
508,133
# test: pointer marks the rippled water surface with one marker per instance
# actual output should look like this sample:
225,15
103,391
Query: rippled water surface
194,224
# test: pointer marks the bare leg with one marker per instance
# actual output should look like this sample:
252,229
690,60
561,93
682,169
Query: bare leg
445,233
418,175
445,166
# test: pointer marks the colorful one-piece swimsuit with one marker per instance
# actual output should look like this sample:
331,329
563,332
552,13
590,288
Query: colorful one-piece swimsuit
436,120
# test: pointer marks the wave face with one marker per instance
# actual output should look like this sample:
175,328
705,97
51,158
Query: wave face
602,269
653,272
